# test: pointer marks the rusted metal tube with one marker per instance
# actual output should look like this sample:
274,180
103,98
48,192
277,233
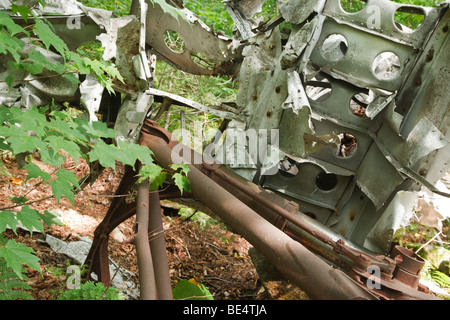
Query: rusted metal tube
143,253
309,272
158,249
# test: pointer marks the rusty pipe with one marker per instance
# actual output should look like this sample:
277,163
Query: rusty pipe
309,272
143,253
158,249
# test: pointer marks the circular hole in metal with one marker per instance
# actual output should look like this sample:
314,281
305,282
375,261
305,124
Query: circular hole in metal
318,88
334,47
352,6
408,19
386,66
326,181
348,145
359,103
174,41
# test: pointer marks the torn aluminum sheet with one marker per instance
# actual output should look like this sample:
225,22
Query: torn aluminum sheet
352,73
397,215
131,116
200,44
297,98
91,96
242,13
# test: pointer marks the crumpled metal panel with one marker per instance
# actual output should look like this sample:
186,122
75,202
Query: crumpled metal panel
353,68
198,38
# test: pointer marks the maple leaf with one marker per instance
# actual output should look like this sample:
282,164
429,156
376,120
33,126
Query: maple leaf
181,182
51,217
64,184
35,172
180,178
8,218
16,254
155,175
25,143
30,219
130,152
49,38
99,129
104,153
60,143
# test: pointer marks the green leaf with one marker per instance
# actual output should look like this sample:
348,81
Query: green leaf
25,143
51,157
64,184
18,200
180,178
49,38
182,182
191,290
35,172
104,153
16,254
130,152
39,59
184,168
51,217
30,219
22,10
114,73
8,218
60,143
11,45
99,129
13,28
155,175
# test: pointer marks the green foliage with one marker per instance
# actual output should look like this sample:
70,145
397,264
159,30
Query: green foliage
212,13
31,61
92,291
16,254
119,8
191,290
180,178
12,288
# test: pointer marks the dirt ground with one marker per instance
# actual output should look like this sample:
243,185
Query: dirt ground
211,255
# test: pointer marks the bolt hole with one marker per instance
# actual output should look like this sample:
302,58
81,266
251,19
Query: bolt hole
326,181
348,145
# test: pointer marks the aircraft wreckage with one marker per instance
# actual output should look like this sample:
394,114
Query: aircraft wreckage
349,116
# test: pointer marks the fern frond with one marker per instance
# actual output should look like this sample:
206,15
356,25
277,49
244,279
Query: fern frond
11,288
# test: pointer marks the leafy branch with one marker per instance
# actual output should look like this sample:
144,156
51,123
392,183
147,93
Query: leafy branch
22,43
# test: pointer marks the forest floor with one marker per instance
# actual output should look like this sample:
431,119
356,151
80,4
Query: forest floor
198,247
206,252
